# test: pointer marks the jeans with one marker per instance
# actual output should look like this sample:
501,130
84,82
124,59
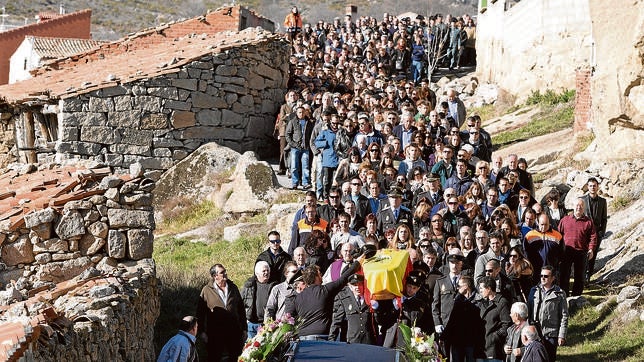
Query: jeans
252,329
576,259
327,179
417,70
300,166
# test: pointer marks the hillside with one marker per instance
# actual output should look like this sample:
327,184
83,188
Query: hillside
112,19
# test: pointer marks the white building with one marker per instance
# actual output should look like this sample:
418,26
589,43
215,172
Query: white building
34,51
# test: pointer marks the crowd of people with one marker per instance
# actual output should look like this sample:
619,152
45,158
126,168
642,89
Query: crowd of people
386,165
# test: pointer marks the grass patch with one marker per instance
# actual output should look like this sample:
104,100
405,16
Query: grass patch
550,119
184,215
486,112
597,336
550,97
621,202
583,140
183,268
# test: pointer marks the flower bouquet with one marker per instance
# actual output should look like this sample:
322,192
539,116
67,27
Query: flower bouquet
418,346
270,339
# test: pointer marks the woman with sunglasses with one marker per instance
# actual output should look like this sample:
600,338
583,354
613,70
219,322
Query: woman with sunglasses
373,155
519,270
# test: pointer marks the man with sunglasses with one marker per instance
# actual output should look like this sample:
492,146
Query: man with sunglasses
549,311
275,256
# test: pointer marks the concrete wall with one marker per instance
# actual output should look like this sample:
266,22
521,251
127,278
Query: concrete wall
535,45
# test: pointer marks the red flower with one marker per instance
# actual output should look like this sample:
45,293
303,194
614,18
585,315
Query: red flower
256,344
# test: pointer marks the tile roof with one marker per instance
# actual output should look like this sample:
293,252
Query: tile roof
50,48
126,67
22,194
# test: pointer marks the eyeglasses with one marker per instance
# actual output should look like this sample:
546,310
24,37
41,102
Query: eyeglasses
361,123
292,271
437,220
482,168
489,271
222,273
514,256
523,197
424,246
333,196
452,203
355,184
449,195
276,241
474,133
335,123
374,150
545,276
470,125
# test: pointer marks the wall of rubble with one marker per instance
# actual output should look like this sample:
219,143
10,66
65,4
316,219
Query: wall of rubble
230,97
97,229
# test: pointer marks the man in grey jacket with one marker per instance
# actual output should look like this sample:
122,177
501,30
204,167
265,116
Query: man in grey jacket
549,311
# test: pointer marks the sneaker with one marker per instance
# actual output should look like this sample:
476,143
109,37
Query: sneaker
294,187
306,187
281,172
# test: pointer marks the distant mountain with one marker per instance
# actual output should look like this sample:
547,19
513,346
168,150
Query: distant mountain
112,19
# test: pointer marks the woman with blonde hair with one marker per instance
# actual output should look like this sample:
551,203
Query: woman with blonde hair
483,175
403,238
422,215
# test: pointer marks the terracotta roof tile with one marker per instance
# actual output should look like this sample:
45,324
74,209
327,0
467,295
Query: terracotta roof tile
50,48
133,65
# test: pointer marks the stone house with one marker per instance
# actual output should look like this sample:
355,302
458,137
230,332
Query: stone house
151,105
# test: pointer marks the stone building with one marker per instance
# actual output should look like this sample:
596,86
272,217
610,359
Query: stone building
153,105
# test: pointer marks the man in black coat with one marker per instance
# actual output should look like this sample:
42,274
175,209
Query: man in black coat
596,210
495,311
313,307
222,323
445,292
350,306
275,256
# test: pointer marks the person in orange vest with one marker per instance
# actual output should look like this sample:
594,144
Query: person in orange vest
293,23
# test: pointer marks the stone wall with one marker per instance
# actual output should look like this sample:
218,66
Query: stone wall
97,228
535,45
230,98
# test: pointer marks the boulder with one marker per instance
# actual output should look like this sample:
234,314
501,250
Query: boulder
232,233
195,176
254,184
629,292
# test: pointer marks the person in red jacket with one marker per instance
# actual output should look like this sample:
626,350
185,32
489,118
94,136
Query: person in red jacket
580,239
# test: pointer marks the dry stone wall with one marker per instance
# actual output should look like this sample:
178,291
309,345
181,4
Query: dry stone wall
102,234
230,98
